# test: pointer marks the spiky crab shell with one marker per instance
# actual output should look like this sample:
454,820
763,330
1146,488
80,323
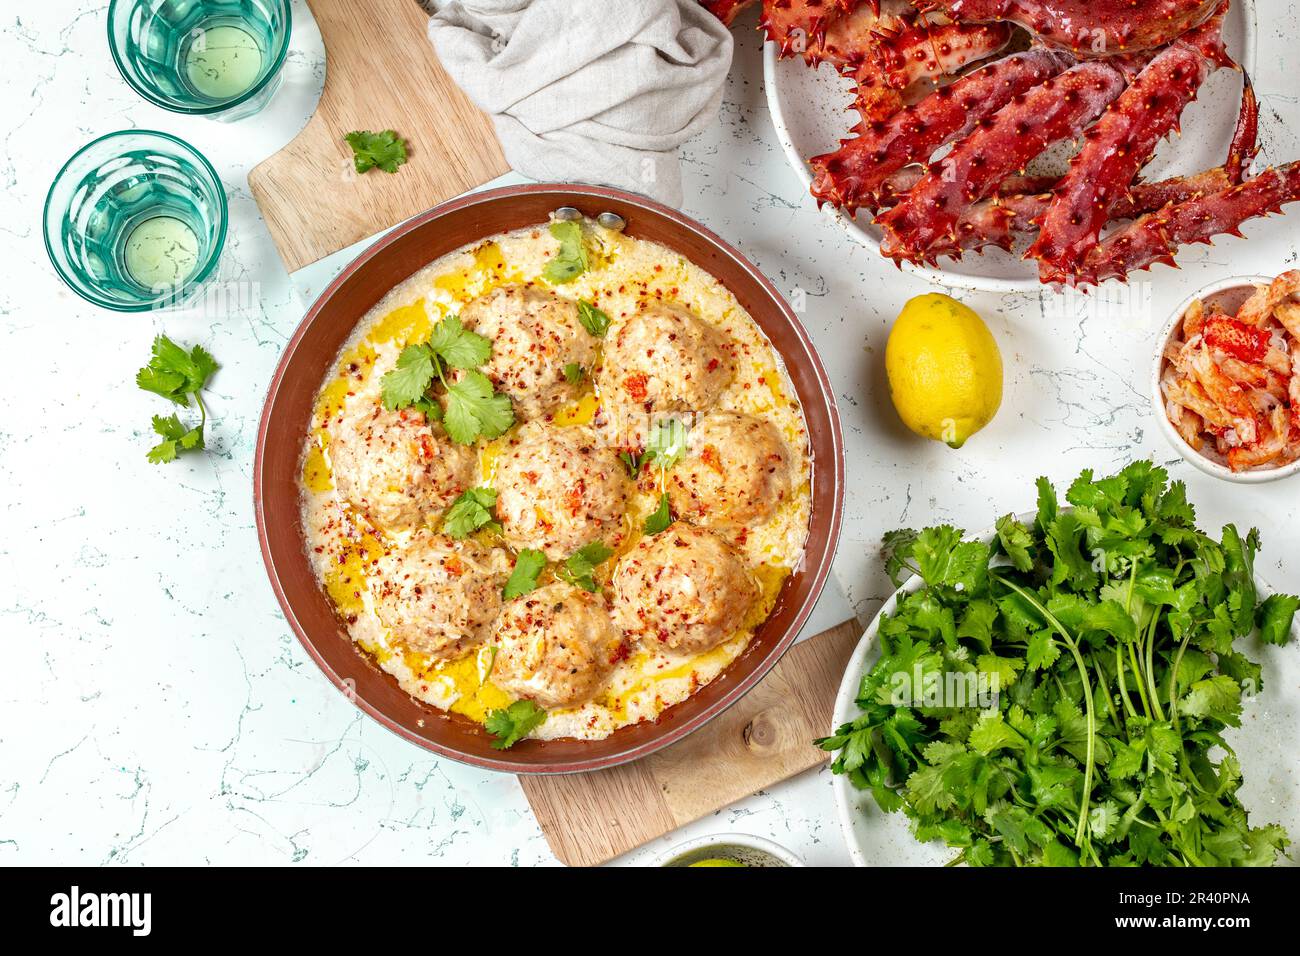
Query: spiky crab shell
857,174
1116,147
1088,28
923,224
1154,238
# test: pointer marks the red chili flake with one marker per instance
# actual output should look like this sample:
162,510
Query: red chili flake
621,653
713,364
710,456
635,386
1237,338
454,565
573,497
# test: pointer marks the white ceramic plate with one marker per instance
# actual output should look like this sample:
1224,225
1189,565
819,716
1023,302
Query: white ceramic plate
810,108
1265,742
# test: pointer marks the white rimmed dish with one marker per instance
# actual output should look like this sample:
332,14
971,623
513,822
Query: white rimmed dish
811,112
1271,771
1228,294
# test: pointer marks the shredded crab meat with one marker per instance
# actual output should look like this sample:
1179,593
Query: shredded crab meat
1231,383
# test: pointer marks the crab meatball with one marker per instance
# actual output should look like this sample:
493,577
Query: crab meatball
395,468
437,596
559,489
664,360
735,473
684,590
556,646
534,334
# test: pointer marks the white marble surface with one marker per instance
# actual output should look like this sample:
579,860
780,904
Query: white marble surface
156,708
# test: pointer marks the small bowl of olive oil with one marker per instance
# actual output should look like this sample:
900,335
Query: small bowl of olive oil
216,58
729,850
135,221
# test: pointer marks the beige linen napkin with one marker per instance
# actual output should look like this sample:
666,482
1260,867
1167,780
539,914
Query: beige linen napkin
598,91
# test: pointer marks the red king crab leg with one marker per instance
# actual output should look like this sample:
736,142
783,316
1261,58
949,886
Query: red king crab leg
918,51
998,220
1088,28
855,175
923,224
1022,200
1118,145
1155,237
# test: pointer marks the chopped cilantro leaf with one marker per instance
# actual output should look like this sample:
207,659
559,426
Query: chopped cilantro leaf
570,259
528,565
512,724
593,319
470,512
406,383
474,409
579,568
661,518
385,150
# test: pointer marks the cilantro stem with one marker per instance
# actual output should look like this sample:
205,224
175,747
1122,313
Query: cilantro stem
1123,688
1091,756
1139,679
1173,680
1103,686
1151,670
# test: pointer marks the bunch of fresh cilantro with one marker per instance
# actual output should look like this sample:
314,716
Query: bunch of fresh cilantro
1111,630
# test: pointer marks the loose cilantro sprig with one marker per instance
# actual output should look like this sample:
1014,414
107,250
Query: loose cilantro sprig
385,150
570,260
512,724
177,375
579,568
523,577
660,518
470,512
474,409
1113,630
593,319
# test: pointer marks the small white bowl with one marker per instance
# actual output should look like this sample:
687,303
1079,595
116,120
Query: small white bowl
1230,293
752,850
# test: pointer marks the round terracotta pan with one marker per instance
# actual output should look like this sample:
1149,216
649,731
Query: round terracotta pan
312,352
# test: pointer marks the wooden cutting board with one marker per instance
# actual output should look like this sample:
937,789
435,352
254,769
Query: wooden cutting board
765,738
380,73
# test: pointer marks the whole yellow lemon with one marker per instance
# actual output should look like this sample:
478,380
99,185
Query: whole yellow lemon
944,368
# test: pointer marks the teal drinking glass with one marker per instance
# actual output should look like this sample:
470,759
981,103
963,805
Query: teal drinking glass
216,58
135,221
